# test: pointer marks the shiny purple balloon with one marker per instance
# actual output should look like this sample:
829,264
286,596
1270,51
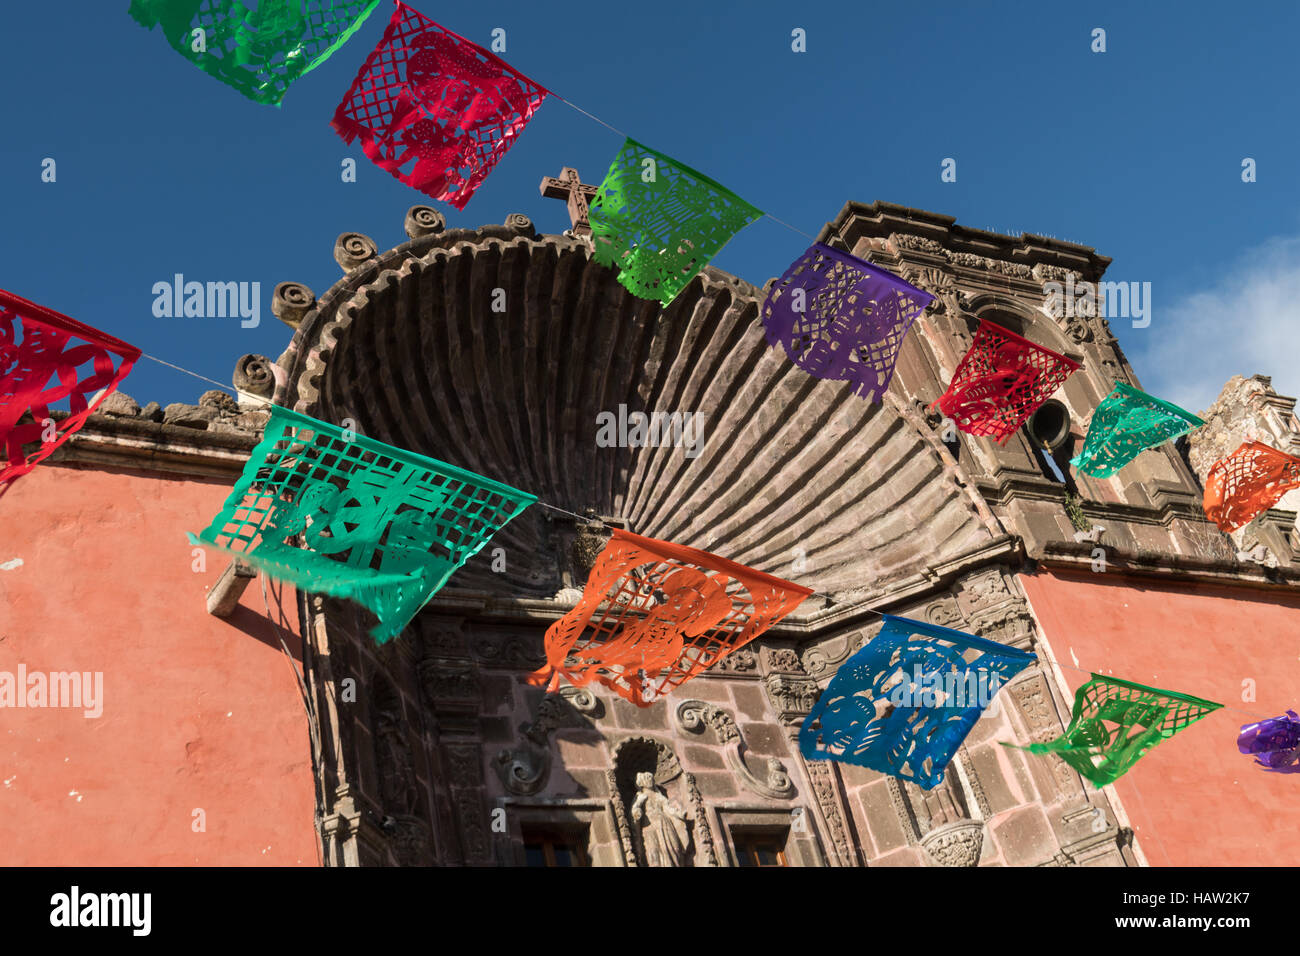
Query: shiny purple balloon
1274,742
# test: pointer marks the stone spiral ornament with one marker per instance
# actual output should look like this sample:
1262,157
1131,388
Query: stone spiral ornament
352,249
254,375
291,301
518,222
423,221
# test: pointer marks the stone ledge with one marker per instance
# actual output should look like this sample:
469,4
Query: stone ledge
137,443
1077,557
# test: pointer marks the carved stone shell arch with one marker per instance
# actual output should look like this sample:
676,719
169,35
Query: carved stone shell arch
637,754
792,475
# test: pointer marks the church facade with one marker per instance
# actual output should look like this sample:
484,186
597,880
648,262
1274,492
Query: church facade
499,349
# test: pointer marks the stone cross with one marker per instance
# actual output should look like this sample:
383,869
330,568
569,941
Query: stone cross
570,187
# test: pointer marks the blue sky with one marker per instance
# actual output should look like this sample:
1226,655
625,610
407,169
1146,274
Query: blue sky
1136,151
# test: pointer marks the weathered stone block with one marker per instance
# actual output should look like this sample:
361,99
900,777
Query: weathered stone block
986,727
498,693
1025,837
716,784
904,857
749,699
882,820
984,762
189,416
214,398
856,776
119,403
592,783
766,739
705,758
640,718
702,688
581,753
496,729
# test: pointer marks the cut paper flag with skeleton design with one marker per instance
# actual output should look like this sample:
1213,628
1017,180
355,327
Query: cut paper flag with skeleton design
1115,722
1126,423
655,614
1274,743
904,703
45,359
659,222
1247,483
341,514
1002,380
435,110
259,47
842,318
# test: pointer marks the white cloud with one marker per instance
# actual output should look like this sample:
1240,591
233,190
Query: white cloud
1242,321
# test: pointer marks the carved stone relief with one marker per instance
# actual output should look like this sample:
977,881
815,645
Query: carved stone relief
399,790
514,653
903,240
940,285
825,786
1077,328
693,716
955,844
972,261
741,661
784,659
1033,699
944,613
463,765
791,697
824,657
903,810
526,768
708,852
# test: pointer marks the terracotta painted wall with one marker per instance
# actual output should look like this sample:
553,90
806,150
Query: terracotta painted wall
198,712
1194,800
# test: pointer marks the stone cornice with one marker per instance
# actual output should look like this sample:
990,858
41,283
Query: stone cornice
1173,503
109,441
1077,557
880,220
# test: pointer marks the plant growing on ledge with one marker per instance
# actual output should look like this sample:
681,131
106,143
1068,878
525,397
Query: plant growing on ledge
1074,510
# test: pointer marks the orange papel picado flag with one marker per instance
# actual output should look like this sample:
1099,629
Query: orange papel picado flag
655,614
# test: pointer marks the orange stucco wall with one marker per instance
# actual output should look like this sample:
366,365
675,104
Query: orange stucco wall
199,713
1194,800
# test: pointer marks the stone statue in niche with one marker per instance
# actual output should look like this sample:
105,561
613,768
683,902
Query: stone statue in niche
661,823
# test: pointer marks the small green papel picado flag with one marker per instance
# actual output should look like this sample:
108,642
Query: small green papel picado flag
1125,424
1115,722
659,222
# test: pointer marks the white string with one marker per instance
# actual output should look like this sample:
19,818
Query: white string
242,395
589,519
788,226
595,520
615,129
590,115
571,514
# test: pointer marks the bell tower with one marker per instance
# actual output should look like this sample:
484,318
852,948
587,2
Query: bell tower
1148,514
